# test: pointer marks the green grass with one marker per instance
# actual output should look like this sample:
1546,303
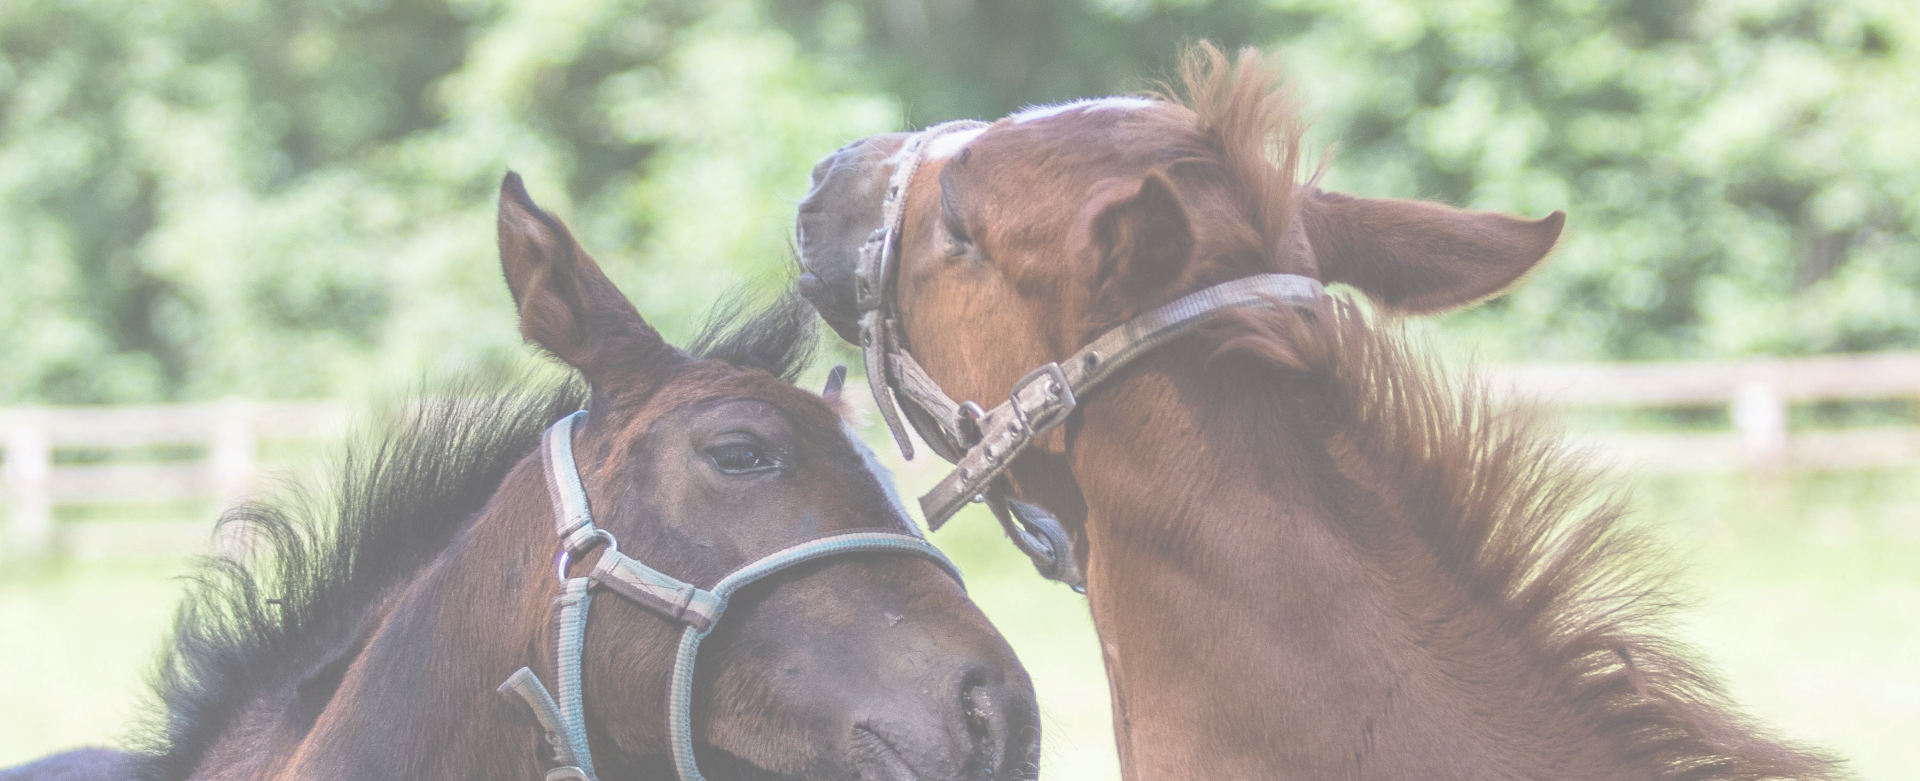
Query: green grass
1808,598
77,641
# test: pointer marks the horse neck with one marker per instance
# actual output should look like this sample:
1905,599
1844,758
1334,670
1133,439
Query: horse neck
1254,626
420,701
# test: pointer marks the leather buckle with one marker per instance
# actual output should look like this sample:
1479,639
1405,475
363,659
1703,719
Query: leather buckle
868,276
1042,399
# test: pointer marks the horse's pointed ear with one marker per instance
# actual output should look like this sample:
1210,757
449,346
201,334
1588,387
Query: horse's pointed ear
835,379
567,305
1139,232
1420,257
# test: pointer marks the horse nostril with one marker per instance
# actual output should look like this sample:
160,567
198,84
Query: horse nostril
978,707
826,164
992,712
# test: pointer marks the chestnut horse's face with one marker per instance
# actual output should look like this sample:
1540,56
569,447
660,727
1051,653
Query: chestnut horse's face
1023,241
993,278
858,666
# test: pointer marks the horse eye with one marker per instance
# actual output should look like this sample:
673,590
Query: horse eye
958,240
741,459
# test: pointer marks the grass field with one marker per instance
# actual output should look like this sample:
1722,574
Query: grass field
1808,598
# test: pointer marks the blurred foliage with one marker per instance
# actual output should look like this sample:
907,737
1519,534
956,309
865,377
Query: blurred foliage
278,198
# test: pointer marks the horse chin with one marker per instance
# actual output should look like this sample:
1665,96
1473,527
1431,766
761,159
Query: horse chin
838,316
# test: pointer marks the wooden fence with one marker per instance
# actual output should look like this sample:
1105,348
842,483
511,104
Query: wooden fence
1756,394
220,444
223,440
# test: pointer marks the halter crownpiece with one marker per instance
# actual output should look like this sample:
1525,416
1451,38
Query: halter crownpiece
983,443
563,720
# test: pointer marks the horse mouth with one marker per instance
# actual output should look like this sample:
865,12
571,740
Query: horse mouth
875,759
830,303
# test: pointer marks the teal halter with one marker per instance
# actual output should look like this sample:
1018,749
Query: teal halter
564,721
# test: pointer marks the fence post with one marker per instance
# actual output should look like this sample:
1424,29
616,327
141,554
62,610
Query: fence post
231,458
29,471
1760,416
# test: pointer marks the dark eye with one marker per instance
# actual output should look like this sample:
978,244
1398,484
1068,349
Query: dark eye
740,458
957,239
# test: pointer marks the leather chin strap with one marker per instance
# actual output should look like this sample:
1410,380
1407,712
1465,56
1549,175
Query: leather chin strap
563,720
982,443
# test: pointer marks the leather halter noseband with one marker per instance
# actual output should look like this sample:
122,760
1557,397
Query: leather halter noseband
564,720
983,443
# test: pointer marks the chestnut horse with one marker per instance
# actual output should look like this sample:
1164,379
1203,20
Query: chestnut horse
371,645
1308,554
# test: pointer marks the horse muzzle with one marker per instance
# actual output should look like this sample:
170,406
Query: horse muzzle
835,218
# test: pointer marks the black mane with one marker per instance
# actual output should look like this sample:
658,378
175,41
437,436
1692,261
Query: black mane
279,627
779,338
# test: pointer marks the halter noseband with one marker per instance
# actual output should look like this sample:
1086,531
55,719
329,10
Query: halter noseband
983,443
564,721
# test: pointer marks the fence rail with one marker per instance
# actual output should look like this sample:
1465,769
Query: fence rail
230,433
1756,393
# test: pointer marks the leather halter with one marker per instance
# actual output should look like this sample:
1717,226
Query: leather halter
983,443
564,720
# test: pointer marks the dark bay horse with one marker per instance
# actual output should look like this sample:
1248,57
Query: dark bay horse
1309,554
371,644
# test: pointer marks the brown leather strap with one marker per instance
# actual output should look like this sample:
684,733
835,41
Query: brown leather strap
1045,397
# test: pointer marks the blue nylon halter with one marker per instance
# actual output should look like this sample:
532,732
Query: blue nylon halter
564,721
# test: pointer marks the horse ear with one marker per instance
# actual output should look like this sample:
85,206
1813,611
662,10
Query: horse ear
567,305
1138,229
1420,257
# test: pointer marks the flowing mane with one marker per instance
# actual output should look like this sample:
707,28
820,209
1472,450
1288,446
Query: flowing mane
1521,526
280,629
1518,524
1250,128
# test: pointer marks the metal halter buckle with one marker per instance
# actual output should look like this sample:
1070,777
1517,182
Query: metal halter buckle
1042,399
969,420
565,559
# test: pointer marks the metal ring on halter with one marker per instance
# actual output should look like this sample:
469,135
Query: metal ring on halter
566,559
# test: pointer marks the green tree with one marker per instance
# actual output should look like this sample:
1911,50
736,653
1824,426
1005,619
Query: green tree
295,199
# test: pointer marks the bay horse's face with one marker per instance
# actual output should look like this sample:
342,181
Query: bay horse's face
859,666
1023,241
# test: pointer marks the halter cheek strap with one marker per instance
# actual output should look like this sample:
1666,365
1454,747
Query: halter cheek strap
871,277
563,720
983,443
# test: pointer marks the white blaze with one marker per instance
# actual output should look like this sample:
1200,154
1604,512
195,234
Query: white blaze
951,143
1037,113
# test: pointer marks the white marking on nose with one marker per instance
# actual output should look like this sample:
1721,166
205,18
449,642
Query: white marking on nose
950,144
1037,113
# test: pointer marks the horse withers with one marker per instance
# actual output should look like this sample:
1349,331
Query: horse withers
1308,554
371,644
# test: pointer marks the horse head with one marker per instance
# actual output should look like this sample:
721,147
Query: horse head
860,666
